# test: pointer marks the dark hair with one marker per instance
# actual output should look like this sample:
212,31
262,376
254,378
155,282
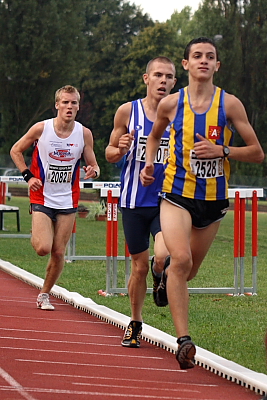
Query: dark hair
161,59
201,39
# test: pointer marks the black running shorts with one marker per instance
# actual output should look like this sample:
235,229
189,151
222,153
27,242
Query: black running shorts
51,212
203,212
138,224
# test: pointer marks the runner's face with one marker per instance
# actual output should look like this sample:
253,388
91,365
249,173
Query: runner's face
67,106
160,79
202,62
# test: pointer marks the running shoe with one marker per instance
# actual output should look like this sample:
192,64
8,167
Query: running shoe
43,302
132,334
185,354
156,281
161,295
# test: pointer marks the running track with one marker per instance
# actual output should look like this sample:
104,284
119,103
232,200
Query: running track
72,354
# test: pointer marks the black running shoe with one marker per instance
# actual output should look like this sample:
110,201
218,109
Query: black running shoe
156,281
132,334
185,354
161,295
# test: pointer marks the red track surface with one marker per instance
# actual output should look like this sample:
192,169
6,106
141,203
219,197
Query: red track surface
69,354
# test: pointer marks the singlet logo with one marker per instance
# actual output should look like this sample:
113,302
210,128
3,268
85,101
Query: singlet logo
214,132
138,127
61,155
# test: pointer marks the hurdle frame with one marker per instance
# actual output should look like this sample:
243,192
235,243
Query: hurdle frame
239,194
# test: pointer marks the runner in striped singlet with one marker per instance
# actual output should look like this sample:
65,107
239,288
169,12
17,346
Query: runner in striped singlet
195,188
140,206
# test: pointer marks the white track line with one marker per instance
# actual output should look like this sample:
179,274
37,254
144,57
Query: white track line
15,385
166,383
220,366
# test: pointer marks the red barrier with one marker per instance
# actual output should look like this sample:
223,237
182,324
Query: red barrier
254,224
109,225
236,225
2,193
240,237
115,230
242,226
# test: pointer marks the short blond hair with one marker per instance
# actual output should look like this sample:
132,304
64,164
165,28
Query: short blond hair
162,59
66,89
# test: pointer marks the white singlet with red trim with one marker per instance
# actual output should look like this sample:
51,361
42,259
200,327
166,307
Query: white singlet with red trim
56,162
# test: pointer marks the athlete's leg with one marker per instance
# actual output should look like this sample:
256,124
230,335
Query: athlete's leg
161,252
42,233
176,227
179,236
201,240
137,283
62,232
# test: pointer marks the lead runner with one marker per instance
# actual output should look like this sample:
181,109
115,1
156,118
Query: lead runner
195,187
53,181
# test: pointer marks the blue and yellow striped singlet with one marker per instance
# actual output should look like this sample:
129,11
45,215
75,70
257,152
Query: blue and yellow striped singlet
186,175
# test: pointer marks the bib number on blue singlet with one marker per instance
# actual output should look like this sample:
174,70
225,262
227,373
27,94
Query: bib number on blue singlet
162,153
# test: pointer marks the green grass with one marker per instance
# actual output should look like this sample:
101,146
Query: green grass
232,327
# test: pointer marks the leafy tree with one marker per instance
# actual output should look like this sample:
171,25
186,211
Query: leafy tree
239,27
41,44
110,29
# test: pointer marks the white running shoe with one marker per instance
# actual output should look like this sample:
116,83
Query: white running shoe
43,302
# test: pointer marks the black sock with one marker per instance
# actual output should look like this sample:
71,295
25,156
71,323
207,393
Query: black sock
182,339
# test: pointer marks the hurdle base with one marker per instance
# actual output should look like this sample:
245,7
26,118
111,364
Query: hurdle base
211,290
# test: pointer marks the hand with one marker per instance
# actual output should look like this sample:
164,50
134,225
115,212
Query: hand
146,175
125,142
89,172
34,184
206,149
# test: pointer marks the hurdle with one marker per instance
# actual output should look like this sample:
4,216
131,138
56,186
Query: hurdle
110,190
240,196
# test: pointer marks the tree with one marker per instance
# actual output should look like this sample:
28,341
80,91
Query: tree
240,29
41,44
110,29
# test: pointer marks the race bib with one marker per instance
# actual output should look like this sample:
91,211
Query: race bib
59,173
162,153
206,168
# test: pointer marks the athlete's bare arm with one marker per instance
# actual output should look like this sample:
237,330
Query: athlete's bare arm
89,156
165,114
120,140
17,150
237,115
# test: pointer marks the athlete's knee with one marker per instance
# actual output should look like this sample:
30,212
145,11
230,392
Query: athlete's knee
42,249
58,253
139,268
181,265
159,262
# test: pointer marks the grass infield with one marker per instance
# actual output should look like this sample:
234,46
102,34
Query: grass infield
231,327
